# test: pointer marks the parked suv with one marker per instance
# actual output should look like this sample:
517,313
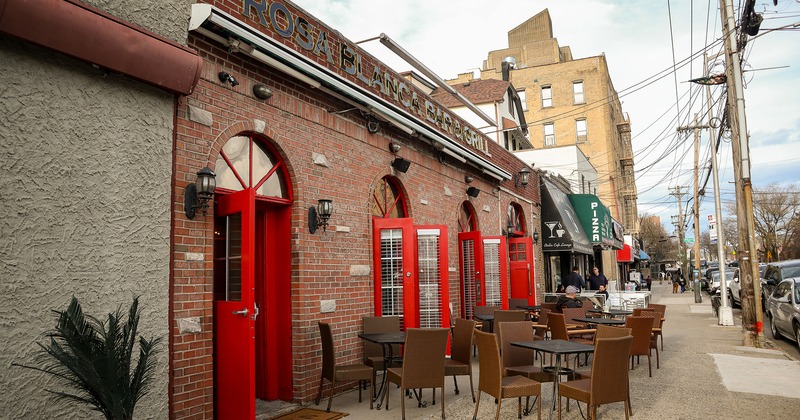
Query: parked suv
775,273
735,287
784,310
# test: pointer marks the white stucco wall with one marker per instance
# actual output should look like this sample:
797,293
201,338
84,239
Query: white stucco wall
85,187
567,161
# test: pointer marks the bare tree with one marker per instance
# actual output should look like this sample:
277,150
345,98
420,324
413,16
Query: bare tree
656,239
776,211
706,250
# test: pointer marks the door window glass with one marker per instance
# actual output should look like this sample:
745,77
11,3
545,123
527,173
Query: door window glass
430,281
491,257
392,273
248,162
468,273
228,257
388,200
467,220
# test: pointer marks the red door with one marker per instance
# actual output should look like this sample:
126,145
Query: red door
495,271
234,310
433,287
521,264
395,274
470,259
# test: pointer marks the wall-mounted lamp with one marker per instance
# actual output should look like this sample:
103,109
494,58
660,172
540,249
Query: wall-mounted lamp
372,124
262,92
510,230
536,236
198,194
401,165
318,216
522,178
468,179
225,77
473,192
394,147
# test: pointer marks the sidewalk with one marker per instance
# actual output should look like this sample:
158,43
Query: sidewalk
705,373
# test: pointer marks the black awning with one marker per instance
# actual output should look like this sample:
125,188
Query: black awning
561,228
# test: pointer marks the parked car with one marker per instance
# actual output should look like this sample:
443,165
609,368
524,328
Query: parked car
783,310
775,273
735,287
705,278
714,284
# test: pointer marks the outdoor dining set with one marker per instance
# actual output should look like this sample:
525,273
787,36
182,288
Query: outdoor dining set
586,353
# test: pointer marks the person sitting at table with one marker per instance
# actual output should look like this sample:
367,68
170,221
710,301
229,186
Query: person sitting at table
602,291
569,300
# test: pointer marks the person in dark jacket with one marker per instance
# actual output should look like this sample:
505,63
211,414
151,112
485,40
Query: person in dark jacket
596,279
575,279
569,300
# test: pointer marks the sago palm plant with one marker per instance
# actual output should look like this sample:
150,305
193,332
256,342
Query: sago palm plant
93,360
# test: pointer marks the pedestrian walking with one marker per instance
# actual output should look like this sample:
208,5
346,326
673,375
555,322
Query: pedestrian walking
597,279
575,279
683,284
675,282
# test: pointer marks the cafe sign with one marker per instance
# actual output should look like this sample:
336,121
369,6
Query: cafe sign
595,218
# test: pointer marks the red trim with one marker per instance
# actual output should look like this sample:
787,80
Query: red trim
91,35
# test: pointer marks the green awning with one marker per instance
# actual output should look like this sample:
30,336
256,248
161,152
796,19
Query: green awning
595,219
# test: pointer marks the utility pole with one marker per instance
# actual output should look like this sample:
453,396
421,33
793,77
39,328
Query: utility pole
698,297
681,245
752,321
725,311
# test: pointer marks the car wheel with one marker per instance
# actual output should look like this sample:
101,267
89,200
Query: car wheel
730,298
775,334
797,334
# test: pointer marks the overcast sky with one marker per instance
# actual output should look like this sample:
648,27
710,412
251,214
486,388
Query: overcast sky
638,38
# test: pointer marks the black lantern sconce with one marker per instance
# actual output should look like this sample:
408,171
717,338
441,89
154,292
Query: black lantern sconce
262,92
522,178
401,165
198,194
535,236
318,216
510,230
226,77
473,192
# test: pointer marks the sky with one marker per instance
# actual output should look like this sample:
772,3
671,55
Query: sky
643,41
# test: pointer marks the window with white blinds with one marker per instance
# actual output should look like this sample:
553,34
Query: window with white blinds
468,273
491,258
430,281
392,273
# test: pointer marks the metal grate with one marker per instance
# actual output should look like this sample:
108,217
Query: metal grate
468,277
392,273
430,281
491,261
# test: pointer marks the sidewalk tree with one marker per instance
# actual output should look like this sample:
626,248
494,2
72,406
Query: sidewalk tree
776,210
656,239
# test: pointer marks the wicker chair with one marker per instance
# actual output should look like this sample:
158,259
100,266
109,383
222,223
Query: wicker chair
460,362
485,310
540,328
557,325
335,373
518,360
492,382
373,352
423,364
608,382
550,306
641,329
656,318
661,309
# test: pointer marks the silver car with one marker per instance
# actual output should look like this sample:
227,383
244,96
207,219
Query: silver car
735,287
783,310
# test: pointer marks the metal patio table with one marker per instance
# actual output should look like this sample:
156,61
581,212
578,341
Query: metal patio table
386,340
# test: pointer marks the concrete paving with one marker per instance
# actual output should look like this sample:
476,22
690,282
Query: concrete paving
705,373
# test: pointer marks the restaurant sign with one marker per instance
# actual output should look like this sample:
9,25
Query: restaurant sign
324,45
595,219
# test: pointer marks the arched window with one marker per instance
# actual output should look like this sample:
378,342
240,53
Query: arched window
388,200
515,221
246,161
467,219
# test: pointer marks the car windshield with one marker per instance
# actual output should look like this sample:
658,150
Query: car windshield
790,272
728,275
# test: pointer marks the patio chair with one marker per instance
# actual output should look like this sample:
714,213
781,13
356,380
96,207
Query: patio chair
423,364
661,309
518,360
558,331
501,316
515,303
656,319
335,373
550,306
641,330
540,328
373,352
460,362
492,382
608,382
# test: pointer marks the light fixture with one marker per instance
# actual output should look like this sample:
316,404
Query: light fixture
318,216
200,192
401,165
262,91
510,230
536,236
522,177
372,124
225,77
468,179
394,147
473,192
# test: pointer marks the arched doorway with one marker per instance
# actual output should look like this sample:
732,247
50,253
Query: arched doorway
520,255
410,261
251,277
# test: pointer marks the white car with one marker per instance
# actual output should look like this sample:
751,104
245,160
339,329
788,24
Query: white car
713,286
735,287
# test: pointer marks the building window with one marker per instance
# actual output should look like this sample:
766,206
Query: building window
523,99
247,161
549,134
577,92
547,96
581,131
388,200
467,219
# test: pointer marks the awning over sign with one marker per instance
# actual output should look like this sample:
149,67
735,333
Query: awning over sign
561,229
625,255
596,220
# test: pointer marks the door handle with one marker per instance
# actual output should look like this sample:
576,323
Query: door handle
255,314
243,312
